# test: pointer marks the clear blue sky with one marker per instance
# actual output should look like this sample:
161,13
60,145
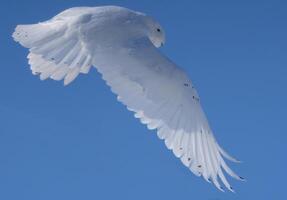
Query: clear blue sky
78,142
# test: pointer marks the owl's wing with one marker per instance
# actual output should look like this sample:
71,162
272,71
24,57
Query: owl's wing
148,83
56,50
164,98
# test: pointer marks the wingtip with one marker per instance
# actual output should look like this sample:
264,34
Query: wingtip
227,155
231,189
237,161
221,189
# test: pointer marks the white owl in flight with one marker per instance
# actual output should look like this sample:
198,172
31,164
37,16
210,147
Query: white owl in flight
122,45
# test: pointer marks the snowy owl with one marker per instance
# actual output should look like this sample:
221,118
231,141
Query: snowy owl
123,46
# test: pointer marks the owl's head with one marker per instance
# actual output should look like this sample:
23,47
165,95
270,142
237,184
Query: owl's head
155,31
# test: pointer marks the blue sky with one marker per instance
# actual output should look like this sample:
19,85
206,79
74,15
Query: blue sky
78,142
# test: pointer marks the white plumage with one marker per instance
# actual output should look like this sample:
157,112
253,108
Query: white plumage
121,44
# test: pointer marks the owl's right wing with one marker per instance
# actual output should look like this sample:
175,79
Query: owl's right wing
55,47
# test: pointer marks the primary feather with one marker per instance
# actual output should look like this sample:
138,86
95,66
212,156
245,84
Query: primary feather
121,44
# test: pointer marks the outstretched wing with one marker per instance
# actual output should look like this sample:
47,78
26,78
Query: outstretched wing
148,83
164,98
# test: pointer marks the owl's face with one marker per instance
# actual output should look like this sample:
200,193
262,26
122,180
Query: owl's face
155,32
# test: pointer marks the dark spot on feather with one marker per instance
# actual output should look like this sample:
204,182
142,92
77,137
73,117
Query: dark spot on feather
189,159
199,166
186,84
197,99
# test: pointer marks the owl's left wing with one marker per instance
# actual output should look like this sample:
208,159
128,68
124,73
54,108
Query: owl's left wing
164,98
